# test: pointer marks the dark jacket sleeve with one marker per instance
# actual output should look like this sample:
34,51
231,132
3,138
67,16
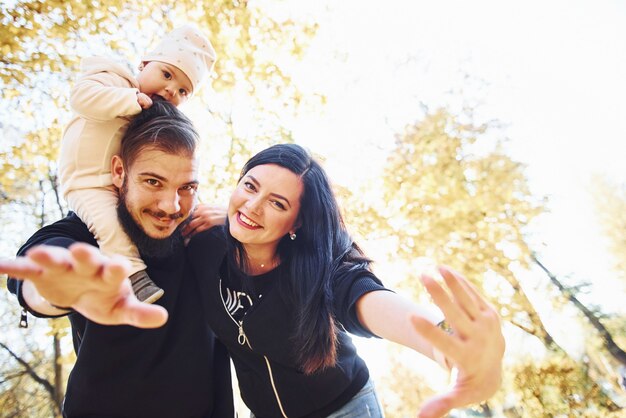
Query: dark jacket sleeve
350,285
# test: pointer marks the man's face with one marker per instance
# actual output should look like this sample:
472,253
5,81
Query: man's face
159,190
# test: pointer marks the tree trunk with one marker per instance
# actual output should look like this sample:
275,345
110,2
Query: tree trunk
536,326
59,392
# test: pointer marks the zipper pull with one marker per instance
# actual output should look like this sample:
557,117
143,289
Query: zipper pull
23,319
241,339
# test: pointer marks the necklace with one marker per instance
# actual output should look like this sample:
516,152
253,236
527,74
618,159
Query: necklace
260,267
270,264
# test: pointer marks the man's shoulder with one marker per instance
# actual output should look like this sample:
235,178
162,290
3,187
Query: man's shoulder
208,244
63,232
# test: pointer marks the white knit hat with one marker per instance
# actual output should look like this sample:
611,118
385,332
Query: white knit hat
187,49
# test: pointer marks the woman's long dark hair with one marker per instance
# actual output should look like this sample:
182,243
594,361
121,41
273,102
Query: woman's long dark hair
322,250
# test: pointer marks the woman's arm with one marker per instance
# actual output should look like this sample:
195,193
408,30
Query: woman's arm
388,315
475,347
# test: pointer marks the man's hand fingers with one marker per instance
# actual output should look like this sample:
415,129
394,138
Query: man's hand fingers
21,268
51,259
88,261
139,314
116,270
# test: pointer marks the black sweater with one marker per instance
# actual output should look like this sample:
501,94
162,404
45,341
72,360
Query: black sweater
270,380
178,370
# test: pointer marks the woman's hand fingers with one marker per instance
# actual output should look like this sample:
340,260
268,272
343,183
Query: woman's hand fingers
456,317
464,298
476,347
441,340
439,405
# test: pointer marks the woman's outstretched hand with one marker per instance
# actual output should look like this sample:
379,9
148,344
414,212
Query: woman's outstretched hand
474,347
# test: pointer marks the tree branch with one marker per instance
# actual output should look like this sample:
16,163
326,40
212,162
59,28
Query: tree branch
12,376
523,327
55,188
612,347
31,372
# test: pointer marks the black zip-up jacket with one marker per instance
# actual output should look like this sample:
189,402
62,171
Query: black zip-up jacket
178,370
270,380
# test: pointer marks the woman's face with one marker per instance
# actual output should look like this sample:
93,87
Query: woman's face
264,207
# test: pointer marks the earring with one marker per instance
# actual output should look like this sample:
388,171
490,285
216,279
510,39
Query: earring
292,236
141,67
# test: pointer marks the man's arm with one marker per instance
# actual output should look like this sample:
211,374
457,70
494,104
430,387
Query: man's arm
83,279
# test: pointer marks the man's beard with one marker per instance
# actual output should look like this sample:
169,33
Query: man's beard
148,247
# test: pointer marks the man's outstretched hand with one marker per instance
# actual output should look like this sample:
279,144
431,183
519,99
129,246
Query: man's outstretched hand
82,278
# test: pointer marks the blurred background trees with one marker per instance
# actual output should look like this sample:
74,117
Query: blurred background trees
447,193
42,43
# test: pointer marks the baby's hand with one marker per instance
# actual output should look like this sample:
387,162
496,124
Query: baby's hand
144,100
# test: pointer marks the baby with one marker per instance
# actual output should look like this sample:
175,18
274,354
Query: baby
104,98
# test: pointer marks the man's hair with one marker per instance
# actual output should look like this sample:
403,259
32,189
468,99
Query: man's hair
161,127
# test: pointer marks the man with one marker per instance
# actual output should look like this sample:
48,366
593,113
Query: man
173,369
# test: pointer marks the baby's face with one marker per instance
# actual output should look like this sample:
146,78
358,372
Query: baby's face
157,78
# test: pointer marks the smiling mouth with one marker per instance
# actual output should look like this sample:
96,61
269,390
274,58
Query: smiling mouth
163,225
243,219
162,222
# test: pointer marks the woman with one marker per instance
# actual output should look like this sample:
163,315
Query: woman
285,283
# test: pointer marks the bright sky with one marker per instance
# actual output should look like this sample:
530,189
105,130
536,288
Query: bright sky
553,72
